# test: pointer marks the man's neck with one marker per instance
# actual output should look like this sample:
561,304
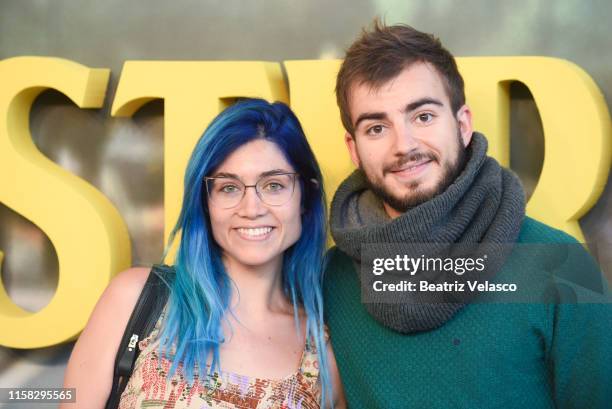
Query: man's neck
391,212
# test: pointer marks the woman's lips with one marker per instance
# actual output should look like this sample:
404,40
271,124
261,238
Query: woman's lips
255,233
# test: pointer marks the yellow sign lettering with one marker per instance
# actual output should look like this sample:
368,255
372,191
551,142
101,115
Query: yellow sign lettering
89,235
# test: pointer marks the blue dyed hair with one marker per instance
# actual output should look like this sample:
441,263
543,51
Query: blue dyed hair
200,295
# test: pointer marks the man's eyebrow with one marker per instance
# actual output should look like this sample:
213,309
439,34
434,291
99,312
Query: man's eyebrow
409,108
370,115
420,102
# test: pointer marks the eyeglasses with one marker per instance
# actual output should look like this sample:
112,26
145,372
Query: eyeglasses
274,190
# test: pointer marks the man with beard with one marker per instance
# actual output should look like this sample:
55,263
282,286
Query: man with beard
424,177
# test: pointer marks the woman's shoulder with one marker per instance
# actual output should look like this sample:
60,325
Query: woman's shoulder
116,303
90,367
115,306
119,299
132,275
127,285
120,296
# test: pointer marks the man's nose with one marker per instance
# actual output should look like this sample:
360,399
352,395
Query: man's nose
405,140
251,205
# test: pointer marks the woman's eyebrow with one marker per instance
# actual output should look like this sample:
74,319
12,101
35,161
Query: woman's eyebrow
274,172
263,174
225,175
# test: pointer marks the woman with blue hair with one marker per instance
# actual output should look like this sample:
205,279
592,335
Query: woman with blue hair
243,324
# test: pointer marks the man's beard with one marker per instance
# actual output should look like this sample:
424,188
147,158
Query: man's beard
450,172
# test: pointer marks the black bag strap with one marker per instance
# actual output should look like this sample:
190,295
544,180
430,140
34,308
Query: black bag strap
142,321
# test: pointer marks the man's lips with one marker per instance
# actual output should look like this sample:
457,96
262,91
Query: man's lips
410,167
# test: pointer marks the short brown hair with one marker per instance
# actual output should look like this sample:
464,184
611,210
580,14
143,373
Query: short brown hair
381,54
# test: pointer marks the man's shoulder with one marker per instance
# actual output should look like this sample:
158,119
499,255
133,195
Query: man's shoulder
534,231
561,255
340,267
338,260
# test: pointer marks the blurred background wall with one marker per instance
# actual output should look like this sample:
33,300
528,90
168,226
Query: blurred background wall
123,158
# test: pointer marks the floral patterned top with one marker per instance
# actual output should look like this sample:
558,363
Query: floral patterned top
150,387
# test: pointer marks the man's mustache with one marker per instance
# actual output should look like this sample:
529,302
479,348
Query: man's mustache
410,157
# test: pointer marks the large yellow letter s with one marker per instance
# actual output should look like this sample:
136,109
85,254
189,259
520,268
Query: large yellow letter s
89,235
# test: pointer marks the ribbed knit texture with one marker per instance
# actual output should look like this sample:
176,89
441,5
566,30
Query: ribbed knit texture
539,355
485,204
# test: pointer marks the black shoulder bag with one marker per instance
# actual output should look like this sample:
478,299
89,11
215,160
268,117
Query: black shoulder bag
142,321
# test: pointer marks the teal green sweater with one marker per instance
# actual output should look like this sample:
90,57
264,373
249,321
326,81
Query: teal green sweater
538,355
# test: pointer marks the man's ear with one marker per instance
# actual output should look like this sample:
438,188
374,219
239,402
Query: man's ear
351,144
464,120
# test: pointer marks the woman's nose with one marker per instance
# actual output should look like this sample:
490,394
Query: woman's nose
251,205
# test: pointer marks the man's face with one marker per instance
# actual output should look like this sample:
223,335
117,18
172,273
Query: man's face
408,142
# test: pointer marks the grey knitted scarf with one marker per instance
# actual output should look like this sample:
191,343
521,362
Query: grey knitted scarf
486,203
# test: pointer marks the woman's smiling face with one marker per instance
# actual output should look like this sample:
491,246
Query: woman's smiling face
253,233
